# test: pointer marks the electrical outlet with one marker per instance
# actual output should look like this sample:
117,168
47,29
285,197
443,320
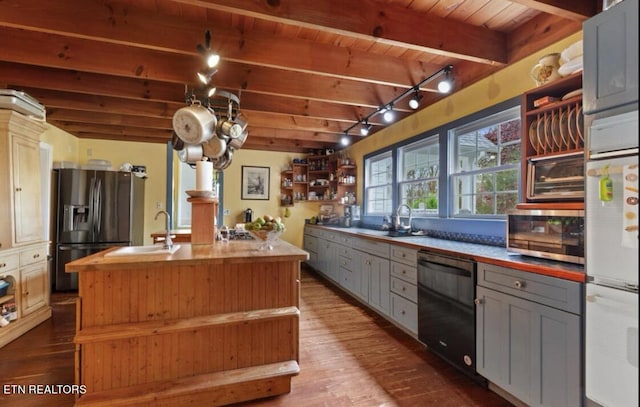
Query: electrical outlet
158,205
225,212
89,152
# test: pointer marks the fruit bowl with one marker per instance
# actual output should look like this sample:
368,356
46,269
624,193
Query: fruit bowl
268,236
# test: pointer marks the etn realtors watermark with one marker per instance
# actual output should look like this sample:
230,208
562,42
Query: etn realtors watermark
44,389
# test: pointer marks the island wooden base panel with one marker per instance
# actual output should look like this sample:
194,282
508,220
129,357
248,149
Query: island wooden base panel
201,333
117,364
214,389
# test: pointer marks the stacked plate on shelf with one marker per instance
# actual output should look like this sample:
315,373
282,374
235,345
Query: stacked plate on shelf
571,59
558,130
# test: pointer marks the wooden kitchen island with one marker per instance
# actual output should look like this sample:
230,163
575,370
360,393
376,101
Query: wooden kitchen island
207,325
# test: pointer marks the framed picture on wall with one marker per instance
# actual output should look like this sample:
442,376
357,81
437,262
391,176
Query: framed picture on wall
255,182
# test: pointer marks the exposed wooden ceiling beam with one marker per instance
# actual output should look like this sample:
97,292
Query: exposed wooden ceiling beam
369,19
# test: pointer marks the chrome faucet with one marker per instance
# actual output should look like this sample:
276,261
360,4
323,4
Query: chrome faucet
397,224
168,243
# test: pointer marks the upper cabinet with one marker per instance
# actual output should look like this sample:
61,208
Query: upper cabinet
20,179
611,58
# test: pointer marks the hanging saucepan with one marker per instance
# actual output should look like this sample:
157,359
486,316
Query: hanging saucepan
194,124
227,128
214,148
224,161
237,142
191,153
176,142
241,120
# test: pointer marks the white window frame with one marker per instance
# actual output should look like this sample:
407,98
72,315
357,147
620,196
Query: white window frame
462,181
420,175
375,185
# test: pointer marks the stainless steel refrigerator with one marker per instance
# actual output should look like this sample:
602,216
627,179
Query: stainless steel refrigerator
94,210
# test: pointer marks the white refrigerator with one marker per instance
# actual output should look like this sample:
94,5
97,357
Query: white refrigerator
611,261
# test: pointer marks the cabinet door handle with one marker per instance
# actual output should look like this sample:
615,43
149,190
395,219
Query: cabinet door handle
518,284
3,265
25,293
18,189
477,301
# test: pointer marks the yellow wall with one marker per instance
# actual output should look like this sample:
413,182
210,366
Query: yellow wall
63,144
498,87
236,206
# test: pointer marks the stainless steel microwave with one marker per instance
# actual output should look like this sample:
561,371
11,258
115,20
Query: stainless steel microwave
556,178
556,234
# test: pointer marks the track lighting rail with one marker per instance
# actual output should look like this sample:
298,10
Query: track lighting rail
414,90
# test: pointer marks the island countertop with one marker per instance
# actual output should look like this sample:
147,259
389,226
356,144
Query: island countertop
233,252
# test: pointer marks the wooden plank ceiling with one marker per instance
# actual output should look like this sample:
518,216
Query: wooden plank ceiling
305,71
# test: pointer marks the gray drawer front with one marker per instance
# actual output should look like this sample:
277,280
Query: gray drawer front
405,272
311,243
554,292
372,247
348,263
404,255
345,251
312,232
403,288
405,312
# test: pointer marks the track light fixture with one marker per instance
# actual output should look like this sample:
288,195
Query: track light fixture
206,75
414,102
446,84
388,114
211,58
386,110
366,127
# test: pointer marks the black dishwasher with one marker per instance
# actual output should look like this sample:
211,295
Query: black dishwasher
446,309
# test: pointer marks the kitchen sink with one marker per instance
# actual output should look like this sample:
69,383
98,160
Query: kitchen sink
142,250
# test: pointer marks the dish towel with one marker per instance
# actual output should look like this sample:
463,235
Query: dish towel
630,206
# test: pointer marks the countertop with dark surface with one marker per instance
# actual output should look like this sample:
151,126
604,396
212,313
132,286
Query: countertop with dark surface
479,252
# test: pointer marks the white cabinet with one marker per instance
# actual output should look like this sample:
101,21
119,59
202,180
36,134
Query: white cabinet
26,189
25,269
23,254
19,179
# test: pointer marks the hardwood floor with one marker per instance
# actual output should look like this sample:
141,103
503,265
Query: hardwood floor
349,356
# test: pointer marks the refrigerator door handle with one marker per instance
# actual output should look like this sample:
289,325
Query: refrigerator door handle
98,206
606,301
92,208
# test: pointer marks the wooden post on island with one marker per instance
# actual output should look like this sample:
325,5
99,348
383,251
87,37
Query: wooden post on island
203,214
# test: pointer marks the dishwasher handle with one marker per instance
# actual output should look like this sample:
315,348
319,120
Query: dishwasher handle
427,259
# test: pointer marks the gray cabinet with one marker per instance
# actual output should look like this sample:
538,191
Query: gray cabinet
377,269
610,58
310,244
404,287
527,342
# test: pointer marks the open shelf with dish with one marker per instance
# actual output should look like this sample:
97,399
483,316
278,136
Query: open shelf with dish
552,128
